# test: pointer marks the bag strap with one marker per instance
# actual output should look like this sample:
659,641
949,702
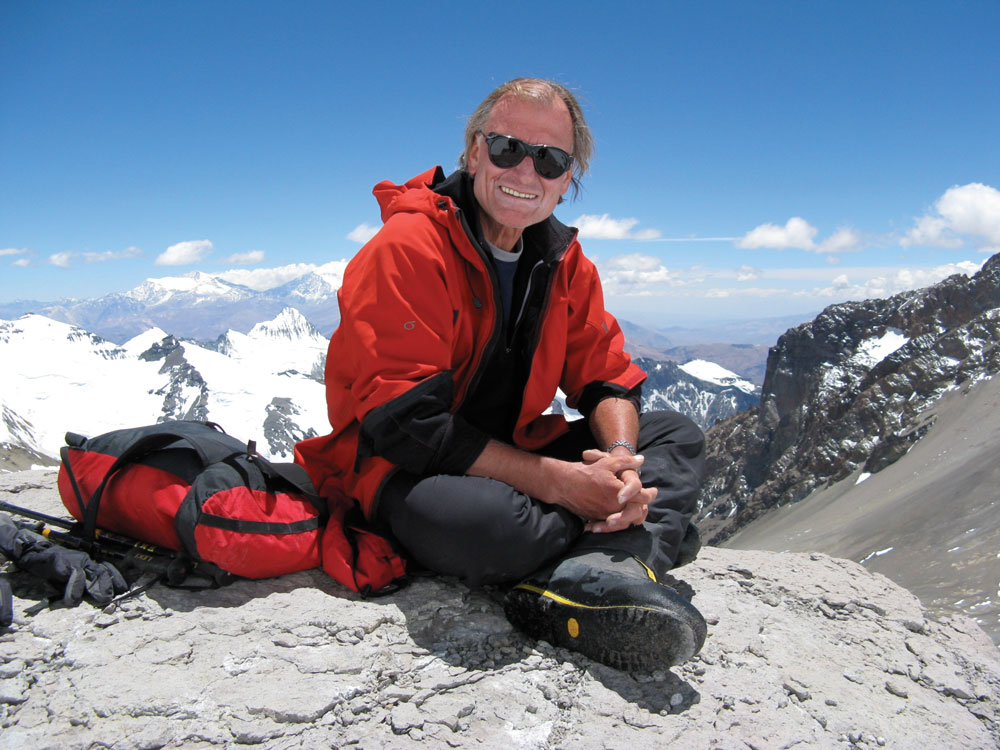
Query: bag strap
68,466
296,477
141,447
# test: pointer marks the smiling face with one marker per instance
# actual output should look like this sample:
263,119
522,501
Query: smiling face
515,198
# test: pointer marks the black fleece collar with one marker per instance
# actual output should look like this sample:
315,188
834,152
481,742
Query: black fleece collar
549,238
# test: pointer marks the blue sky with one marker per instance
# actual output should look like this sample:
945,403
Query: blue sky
753,159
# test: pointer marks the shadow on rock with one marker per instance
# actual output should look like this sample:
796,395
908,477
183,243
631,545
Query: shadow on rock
467,628
660,692
243,590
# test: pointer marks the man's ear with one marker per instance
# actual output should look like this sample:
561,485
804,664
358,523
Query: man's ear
567,179
472,158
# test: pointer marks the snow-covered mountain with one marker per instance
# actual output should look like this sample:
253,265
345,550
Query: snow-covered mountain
264,384
704,391
714,373
715,395
202,306
261,385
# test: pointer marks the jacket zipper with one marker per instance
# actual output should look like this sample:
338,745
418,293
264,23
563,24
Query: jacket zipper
516,321
542,311
497,333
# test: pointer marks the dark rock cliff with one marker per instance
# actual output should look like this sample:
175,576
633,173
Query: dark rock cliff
847,391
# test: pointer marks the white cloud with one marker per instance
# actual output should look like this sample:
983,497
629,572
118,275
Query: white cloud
184,253
362,233
931,230
129,252
797,233
603,227
65,259
245,259
844,240
22,262
893,282
262,279
61,259
752,292
804,288
646,234
972,210
636,274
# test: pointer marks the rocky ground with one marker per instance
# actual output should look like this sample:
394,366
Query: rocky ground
804,650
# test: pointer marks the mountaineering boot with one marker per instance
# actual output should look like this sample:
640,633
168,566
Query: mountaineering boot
608,606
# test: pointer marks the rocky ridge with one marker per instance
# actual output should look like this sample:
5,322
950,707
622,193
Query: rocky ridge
803,650
848,391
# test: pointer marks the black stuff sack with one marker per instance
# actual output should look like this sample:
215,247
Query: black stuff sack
190,487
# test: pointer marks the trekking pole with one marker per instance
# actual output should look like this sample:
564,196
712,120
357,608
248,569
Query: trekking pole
38,516
6,602
144,557
135,557
173,567
125,542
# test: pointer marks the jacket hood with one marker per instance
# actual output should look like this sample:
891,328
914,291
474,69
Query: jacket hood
406,197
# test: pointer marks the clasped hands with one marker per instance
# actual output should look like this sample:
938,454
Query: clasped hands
613,498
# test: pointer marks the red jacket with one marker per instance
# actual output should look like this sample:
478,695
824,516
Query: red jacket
419,317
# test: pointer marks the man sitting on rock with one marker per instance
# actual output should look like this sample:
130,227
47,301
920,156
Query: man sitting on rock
459,322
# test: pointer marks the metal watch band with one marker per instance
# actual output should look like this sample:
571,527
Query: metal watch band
625,443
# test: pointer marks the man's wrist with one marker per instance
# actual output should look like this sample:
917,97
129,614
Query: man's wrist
621,444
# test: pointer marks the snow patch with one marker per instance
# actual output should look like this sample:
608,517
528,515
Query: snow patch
138,344
559,406
872,351
879,553
714,373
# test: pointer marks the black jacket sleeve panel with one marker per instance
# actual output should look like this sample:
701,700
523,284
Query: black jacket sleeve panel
595,393
417,432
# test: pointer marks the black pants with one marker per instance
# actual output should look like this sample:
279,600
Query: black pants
485,531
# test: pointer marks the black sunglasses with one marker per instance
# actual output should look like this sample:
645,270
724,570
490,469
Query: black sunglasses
507,151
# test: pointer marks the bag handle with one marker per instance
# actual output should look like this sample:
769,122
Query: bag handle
296,477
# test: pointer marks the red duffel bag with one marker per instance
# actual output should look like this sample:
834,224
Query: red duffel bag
192,488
